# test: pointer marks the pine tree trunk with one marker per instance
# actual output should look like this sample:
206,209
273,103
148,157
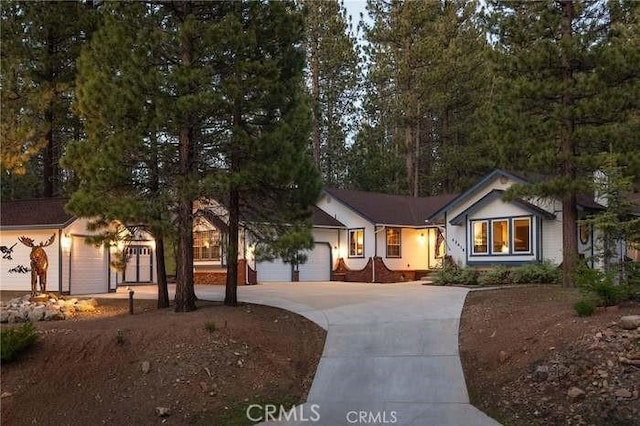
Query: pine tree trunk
569,203
161,272
47,163
569,239
48,172
231,290
185,295
315,93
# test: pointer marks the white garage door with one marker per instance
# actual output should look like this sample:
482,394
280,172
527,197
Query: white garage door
89,268
318,264
273,271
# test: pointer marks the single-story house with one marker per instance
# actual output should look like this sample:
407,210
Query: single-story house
358,236
75,267
483,230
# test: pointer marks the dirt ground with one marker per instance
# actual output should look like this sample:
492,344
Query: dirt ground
93,369
524,350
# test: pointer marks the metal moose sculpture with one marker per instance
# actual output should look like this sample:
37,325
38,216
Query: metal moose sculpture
39,262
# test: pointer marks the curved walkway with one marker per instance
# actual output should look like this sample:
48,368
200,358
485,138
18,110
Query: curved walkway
391,354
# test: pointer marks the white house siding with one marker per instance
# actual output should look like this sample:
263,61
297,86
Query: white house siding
552,239
413,249
351,220
20,257
500,183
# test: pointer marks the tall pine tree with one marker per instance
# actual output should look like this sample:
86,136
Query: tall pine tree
568,87
333,79
41,41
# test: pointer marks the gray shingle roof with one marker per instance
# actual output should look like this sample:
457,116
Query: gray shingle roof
37,213
387,209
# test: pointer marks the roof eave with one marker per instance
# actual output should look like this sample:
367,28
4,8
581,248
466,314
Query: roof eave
440,213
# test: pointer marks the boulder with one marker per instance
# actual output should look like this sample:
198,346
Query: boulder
4,315
630,322
51,314
36,313
17,315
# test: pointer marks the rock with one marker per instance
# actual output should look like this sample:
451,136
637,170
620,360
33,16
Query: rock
163,411
51,314
85,307
145,366
4,315
36,314
93,302
630,322
15,316
541,374
575,394
5,395
39,298
623,393
503,357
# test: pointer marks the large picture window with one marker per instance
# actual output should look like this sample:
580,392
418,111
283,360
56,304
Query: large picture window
206,245
480,237
500,236
509,236
522,235
356,243
393,242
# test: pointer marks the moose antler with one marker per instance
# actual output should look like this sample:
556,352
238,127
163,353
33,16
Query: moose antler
49,241
26,241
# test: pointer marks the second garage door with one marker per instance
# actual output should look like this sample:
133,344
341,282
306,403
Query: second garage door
318,264
316,268
273,271
89,268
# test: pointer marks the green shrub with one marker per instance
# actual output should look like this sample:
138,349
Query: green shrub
14,341
536,273
500,275
450,275
632,280
210,326
584,307
601,285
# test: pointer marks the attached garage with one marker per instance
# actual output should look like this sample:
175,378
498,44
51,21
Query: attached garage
318,264
273,271
89,266
316,268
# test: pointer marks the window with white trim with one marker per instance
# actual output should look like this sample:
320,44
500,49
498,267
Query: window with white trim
206,245
393,242
522,235
500,236
356,243
480,237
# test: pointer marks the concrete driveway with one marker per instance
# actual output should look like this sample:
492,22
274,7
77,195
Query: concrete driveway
391,355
